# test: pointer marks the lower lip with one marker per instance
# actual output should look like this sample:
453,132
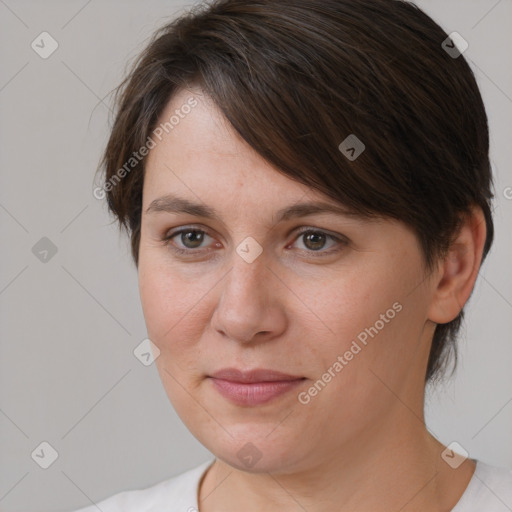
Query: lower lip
253,393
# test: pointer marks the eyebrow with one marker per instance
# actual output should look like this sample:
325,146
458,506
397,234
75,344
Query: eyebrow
179,205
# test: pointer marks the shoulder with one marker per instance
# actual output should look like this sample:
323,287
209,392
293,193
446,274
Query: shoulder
178,494
490,489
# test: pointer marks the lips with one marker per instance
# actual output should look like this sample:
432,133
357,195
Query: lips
253,387
258,375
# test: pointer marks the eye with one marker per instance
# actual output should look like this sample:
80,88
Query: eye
315,240
188,240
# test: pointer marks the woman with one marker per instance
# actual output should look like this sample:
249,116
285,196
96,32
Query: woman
307,189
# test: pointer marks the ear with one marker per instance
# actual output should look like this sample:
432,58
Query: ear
459,269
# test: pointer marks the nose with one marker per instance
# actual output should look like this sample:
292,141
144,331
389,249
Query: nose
250,306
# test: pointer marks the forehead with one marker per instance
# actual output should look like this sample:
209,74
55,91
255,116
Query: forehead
201,156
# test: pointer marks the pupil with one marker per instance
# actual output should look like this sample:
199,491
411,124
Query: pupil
317,240
192,236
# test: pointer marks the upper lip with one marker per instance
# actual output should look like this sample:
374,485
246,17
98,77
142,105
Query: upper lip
256,375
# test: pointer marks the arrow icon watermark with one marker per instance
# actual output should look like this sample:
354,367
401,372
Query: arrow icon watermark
352,147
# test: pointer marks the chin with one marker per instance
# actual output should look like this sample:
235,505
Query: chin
250,447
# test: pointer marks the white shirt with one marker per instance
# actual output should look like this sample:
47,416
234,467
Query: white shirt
489,490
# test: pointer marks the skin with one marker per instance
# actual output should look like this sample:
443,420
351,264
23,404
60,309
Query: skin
361,442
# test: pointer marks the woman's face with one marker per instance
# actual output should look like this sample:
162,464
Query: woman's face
342,310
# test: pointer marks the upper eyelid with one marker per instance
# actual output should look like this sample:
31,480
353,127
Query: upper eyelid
299,229
339,238
176,231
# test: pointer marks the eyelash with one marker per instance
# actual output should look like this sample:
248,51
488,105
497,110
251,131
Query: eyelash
167,241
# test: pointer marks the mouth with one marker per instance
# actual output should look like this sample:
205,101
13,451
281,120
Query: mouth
253,387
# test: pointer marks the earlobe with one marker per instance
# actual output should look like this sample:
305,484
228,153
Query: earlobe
459,269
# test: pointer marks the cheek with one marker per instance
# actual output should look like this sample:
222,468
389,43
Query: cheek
173,305
373,318
355,302
157,295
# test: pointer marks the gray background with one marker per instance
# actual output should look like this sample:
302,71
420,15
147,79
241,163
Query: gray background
69,326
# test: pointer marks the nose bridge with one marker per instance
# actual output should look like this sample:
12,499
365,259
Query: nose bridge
248,258
247,276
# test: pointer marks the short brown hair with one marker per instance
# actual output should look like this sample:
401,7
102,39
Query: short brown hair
295,78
